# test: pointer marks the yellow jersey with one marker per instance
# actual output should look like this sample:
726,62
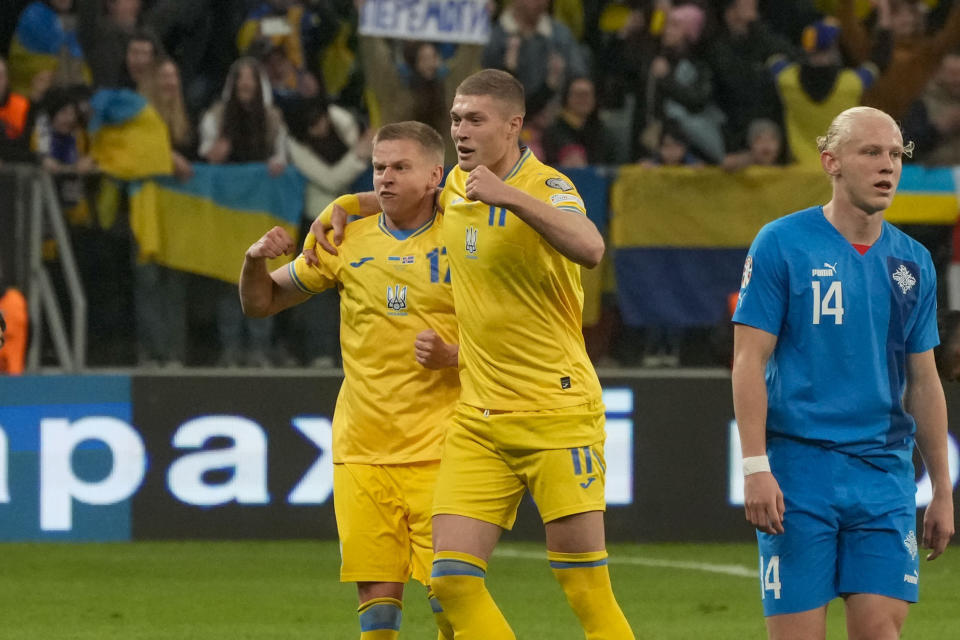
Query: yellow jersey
393,285
519,301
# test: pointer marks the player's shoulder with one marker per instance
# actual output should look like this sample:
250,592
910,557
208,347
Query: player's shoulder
537,177
788,228
904,245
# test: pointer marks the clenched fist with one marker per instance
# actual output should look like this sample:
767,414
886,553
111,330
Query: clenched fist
273,244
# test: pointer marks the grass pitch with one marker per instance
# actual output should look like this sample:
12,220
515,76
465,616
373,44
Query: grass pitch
289,590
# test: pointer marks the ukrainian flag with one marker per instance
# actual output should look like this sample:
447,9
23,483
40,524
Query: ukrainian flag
681,234
206,224
926,195
129,139
39,44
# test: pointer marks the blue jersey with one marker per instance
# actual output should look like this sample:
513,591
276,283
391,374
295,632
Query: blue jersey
845,323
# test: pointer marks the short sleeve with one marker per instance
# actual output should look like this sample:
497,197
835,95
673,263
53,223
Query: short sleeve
764,287
314,278
558,191
924,335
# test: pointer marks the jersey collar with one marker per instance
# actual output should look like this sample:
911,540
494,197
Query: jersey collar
403,234
524,154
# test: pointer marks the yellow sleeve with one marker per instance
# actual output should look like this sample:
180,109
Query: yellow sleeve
314,278
558,191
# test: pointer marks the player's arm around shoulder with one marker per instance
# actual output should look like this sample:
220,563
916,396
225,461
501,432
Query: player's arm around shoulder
571,233
263,293
335,217
924,400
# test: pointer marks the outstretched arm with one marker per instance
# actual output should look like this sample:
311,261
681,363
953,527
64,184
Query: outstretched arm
263,293
573,235
925,401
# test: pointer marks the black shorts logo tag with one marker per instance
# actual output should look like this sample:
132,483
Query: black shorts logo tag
565,382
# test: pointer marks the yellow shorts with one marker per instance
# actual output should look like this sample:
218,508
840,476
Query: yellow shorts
383,518
482,479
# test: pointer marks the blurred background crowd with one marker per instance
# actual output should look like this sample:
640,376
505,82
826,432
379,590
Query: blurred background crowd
292,85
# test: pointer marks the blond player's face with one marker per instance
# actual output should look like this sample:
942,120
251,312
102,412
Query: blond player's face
870,161
403,176
481,130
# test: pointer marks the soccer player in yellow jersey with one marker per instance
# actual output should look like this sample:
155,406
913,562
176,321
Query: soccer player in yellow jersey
399,343
530,415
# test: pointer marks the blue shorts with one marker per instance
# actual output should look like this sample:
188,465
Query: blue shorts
849,527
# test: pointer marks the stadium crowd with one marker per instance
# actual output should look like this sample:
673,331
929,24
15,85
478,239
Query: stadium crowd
291,83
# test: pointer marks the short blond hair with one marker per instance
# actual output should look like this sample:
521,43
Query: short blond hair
496,84
425,135
839,130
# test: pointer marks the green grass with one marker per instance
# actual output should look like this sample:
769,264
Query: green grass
289,590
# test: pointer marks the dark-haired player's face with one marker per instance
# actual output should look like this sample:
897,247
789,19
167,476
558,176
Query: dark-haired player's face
870,160
404,174
482,130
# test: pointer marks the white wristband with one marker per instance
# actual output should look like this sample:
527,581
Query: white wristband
755,464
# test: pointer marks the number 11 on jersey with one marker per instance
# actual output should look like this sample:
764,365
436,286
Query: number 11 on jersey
831,304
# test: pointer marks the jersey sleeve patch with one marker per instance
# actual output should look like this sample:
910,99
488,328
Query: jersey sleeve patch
558,199
559,183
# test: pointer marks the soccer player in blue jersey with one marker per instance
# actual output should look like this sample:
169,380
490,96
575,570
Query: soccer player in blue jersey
833,382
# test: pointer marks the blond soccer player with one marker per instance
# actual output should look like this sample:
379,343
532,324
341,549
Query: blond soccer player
399,341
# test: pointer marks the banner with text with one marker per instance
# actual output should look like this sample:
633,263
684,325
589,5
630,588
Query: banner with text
432,20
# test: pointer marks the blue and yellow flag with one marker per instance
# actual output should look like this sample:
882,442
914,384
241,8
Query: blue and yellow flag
40,43
206,224
681,234
129,139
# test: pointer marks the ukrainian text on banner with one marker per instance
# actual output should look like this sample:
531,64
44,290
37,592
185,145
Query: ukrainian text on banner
433,20
206,224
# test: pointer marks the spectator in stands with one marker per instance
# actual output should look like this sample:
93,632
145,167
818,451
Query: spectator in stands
327,146
16,117
185,31
813,92
140,60
915,55
540,51
288,84
165,93
628,41
679,87
60,140
416,82
764,147
105,28
301,31
13,328
672,149
737,53
933,122
577,137
46,40
244,126
160,293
